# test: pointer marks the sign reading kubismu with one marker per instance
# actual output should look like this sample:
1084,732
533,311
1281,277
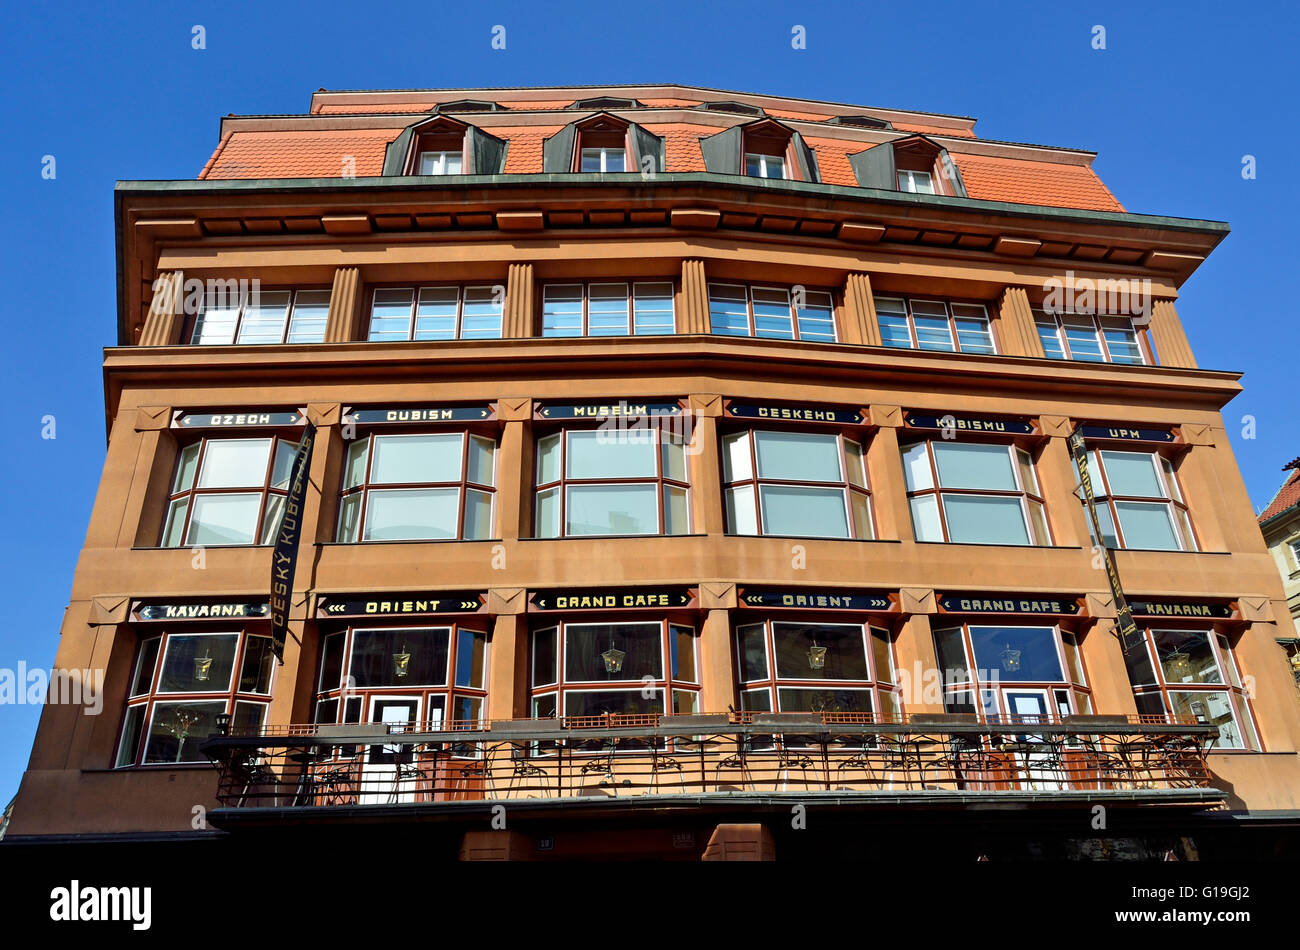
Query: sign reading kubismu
969,423
381,416
403,604
808,413
607,599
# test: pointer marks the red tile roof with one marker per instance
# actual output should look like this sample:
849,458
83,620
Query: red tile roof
1288,496
300,154
524,156
833,160
933,129
1039,183
682,145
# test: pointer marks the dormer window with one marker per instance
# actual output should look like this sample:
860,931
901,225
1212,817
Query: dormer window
920,183
602,146
758,165
440,163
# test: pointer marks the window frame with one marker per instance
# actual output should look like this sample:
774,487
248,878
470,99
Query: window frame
560,486
1174,500
153,695
1141,339
950,316
1230,681
450,691
458,332
266,491
797,333
1026,497
287,330
632,286
443,154
756,481
910,187
364,489
875,684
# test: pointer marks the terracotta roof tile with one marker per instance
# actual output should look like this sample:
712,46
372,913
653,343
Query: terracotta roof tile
300,154
1037,183
682,145
670,103
524,156
378,108
539,104
806,116
933,130
1288,496
833,161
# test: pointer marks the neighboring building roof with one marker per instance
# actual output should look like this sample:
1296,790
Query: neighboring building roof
1288,496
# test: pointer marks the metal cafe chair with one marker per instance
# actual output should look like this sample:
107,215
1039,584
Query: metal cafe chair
250,772
604,763
788,758
959,753
1099,766
739,761
703,729
521,765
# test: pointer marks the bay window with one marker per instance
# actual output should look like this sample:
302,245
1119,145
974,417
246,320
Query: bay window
1016,673
974,493
642,308
593,669
951,326
228,491
1192,674
1105,338
234,315
617,482
776,313
436,313
800,484
180,684
799,666
418,486
1139,501
435,676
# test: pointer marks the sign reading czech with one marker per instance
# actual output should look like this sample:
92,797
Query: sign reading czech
751,410
957,423
603,599
243,419
397,605
1182,609
816,599
259,610
631,409
1007,604
418,414
1125,434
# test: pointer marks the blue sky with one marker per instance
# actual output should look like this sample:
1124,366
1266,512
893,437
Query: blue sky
1172,104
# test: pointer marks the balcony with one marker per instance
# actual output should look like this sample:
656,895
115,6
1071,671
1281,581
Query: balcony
326,772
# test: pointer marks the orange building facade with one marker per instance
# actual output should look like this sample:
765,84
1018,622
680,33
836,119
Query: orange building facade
681,457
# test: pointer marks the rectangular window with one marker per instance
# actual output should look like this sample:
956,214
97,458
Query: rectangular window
228,491
764,166
605,159
949,326
607,309
795,484
436,313
1139,502
974,493
775,313
590,482
233,315
440,163
1089,338
418,487
921,183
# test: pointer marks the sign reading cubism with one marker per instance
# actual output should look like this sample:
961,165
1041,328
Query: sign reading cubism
599,598
1125,434
400,605
916,420
241,419
188,610
285,555
788,413
816,599
1025,604
395,414
1128,634
607,409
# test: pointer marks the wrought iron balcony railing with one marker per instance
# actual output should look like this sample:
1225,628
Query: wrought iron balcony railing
325,766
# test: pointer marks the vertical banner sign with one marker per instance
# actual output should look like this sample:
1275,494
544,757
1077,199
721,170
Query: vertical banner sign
285,555
1124,614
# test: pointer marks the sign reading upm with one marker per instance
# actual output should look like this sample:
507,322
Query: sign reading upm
286,544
